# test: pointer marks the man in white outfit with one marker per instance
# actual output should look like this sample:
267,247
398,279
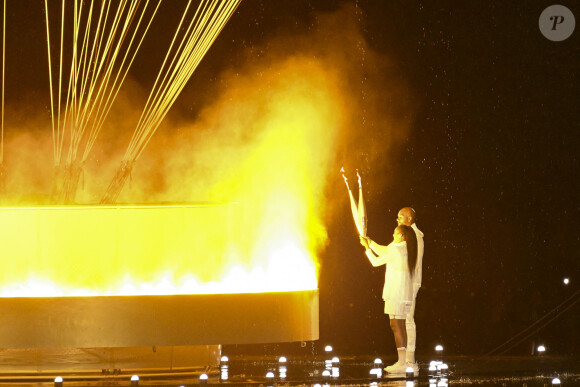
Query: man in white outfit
407,217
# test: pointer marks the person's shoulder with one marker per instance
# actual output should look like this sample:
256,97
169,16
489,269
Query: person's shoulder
399,249
417,231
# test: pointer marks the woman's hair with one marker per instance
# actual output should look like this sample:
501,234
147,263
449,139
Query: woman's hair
411,239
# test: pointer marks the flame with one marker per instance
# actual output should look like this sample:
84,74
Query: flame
144,250
267,239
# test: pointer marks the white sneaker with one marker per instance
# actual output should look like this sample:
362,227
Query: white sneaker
397,368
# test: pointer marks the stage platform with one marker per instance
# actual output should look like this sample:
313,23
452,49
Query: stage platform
301,370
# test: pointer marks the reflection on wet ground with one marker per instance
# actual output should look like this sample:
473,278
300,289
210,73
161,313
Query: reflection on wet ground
326,370
368,371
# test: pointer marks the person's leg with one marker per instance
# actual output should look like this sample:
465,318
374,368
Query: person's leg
411,329
400,334
399,331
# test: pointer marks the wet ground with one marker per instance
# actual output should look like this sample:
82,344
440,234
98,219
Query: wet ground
320,370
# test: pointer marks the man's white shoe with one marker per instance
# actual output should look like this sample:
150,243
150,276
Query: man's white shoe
397,368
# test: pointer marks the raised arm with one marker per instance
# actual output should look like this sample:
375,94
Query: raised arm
378,249
382,258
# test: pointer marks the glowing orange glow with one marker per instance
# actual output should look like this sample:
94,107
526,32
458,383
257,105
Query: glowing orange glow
266,239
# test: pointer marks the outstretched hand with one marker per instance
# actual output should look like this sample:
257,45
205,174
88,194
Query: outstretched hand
365,241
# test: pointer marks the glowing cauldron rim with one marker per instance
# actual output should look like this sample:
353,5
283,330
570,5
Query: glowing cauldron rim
95,322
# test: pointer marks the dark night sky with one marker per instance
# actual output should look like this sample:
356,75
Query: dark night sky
490,163
490,166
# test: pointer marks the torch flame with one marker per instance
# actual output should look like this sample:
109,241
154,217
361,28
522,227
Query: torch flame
344,177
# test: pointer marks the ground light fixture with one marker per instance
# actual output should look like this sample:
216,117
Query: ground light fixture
335,369
58,381
135,380
282,369
270,378
224,368
378,368
433,367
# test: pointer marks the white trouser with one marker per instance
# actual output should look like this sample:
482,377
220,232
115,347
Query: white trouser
410,322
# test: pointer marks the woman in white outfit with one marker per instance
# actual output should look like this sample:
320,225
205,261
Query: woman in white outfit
401,258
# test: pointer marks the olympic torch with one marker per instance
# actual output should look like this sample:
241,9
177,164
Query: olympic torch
362,211
358,211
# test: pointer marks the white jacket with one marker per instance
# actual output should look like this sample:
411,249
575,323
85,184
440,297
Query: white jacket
398,287
418,275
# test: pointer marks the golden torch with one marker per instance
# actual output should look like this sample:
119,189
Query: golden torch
359,212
